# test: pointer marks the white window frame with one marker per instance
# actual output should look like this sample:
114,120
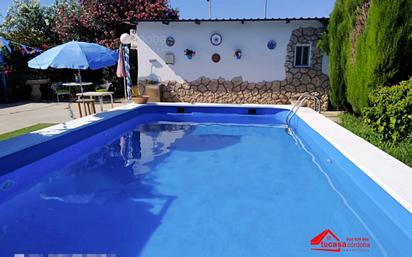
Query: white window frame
310,55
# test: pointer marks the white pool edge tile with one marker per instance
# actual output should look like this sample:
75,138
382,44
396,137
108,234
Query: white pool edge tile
389,173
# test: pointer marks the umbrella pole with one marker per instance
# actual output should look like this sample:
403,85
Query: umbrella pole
81,89
137,71
125,89
81,83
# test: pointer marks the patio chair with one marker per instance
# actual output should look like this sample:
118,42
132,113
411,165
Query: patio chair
59,90
103,87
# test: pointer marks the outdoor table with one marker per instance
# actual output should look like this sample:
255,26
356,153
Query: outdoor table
76,84
99,95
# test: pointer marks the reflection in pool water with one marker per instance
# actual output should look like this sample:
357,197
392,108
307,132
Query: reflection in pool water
116,166
119,164
170,189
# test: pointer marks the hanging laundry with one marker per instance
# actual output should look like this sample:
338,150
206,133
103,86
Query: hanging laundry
37,50
5,43
23,50
30,50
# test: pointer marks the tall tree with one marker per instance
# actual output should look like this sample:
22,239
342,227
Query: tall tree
27,22
103,21
370,44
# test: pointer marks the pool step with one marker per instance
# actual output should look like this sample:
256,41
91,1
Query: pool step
333,115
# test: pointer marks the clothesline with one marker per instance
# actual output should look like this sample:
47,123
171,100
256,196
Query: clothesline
24,50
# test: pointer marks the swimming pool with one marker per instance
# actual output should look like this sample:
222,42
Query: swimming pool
182,180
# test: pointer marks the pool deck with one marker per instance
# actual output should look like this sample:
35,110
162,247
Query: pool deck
25,114
392,175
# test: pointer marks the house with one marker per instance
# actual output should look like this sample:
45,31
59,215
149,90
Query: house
266,61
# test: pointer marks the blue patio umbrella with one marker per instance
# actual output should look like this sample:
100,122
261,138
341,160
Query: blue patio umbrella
75,55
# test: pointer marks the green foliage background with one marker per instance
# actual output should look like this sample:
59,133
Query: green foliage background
380,55
29,23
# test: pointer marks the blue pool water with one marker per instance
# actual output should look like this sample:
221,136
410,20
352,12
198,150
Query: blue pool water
190,189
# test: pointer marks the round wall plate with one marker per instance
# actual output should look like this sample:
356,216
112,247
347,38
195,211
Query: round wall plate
272,44
216,58
216,39
170,41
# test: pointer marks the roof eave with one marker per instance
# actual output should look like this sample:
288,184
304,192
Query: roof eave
165,21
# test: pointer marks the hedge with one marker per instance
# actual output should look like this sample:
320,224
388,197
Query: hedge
390,113
366,53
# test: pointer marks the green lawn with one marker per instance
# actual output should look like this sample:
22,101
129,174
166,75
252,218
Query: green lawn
401,151
24,131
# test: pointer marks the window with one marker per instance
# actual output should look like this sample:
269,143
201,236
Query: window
302,55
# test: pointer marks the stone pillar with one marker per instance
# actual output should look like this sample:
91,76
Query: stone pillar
154,92
35,88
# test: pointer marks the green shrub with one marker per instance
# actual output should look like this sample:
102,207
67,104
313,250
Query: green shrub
401,151
390,111
370,44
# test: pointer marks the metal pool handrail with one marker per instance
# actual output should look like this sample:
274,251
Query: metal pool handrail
299,104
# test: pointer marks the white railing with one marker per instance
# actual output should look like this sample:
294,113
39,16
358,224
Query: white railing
299,104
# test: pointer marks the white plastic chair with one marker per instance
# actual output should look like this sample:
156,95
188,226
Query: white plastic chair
59,90
103,87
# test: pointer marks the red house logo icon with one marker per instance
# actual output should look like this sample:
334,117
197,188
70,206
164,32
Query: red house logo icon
326,241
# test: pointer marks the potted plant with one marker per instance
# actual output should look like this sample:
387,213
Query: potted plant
238,54
190,54
137,97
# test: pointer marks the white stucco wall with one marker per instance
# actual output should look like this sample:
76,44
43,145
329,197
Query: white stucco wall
257,64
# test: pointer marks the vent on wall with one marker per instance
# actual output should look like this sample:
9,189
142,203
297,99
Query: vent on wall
170,58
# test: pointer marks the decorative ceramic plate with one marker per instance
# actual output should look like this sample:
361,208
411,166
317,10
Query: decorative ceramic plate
272,44
170,41
216,39
216,58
